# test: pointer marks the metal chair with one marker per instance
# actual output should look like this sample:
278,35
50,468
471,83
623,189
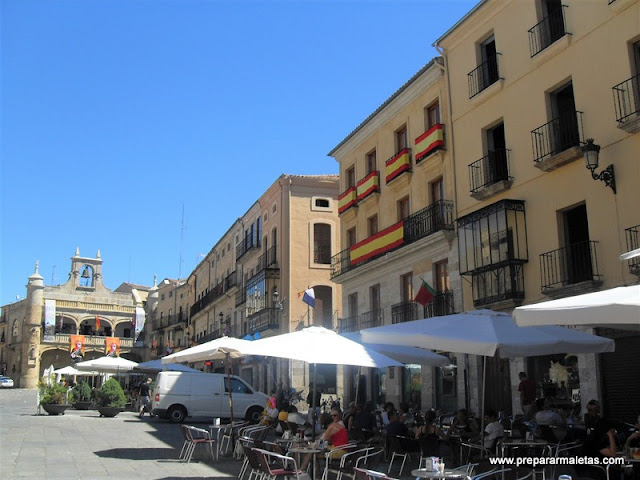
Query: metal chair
344,465
198,436
274,465
400,446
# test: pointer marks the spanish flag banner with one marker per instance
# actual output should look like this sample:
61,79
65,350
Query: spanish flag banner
368,185
112,347
430,141
399,163
377,244
347,199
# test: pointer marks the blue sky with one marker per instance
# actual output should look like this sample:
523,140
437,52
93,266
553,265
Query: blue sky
116,115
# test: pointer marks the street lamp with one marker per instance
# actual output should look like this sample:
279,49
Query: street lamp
591,153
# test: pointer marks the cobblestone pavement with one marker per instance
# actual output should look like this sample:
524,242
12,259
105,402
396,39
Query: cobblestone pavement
82,445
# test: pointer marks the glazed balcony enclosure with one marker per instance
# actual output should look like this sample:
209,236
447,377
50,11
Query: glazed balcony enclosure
434,218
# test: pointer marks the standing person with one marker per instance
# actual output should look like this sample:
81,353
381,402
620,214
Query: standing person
314,404
527,391
144,397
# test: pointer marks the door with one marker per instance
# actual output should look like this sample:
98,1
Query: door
496,169
243,398
206,396
489,62
577,246
564,127
553,28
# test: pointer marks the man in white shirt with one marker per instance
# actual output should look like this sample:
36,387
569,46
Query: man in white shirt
493,429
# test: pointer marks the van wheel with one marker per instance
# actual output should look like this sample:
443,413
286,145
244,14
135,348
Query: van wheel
177,414
254,414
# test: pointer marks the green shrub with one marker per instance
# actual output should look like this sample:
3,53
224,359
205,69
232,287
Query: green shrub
110,394
81,392
53,394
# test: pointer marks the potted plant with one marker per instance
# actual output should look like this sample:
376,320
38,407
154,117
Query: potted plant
81,396
54,398
111,398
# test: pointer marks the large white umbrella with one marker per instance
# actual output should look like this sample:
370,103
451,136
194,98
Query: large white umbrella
487,333
318,345
616,308
221,348
107,365
74,371
402,353
157,366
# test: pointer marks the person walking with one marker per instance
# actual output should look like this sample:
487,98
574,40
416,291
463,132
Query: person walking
144,398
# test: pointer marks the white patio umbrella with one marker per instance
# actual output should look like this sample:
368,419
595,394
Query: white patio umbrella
616,308
69,370
487,333
221,348
107,365
157,366
318,345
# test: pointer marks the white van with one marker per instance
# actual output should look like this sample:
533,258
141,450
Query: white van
178,395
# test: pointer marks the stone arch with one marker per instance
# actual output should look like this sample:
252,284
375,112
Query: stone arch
66,323
123,327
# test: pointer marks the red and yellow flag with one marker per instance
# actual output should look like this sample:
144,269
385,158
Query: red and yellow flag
368,185
97,323
430,141
377,244
347,199
399,163
112,347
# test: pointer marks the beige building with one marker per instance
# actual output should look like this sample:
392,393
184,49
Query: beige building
530,82
397,229
167,318
44,328
249,283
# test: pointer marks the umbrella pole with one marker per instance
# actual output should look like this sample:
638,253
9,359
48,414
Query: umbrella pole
358,383
228,363
484,380
314,413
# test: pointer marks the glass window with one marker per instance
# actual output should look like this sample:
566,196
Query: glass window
238,386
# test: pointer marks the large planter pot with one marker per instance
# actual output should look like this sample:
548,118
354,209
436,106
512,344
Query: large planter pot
109,411
82,405
54,408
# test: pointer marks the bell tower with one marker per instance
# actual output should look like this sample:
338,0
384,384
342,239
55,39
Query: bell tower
86,273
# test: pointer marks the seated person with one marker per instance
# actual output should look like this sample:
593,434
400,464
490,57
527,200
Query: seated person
388,407
270,412
364,424
337,436
395,426
592,417
493,429
633,440
546,416
463,426
350,416
429,435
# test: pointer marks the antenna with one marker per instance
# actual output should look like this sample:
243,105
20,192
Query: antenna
53,272
181,240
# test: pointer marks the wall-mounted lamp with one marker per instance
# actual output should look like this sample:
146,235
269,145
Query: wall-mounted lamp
276,303
591,153
222,320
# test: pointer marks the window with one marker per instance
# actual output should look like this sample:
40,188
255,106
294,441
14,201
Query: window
401,138
322,202
374,298
565,118
371,162
350,177
322,243
496,168
432,115
273,209
162,296
372,224
353,304
403,208
488,61
437,190
237,386
170,293
351,237
406,287
441,273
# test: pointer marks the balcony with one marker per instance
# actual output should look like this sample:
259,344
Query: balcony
217,333
404,312
429,142
212,295
267,260
483,76
246,245
347,200
434,218
570,270
490,174
91,342
373,318
440,305
348,324
500,287
548,31
558,142
241,297
633,242
398,164
231,281
265,319
626,98
368,185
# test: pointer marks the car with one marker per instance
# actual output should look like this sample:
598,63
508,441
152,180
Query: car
6,382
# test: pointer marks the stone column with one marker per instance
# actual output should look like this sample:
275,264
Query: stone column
31,332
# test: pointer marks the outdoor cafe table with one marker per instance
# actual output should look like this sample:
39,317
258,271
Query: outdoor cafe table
446,474
536,445
306,449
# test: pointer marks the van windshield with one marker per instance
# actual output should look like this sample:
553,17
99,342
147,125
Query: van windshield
237,386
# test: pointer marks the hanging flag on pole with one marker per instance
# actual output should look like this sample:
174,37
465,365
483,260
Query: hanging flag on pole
97,323
309,297
425,294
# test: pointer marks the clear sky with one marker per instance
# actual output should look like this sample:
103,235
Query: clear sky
115,115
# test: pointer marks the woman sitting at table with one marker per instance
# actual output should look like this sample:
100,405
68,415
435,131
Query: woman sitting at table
463,426
429,435
337,436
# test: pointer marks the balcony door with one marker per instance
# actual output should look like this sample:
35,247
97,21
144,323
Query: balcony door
496,169
565,131
554,28
577,245
489,62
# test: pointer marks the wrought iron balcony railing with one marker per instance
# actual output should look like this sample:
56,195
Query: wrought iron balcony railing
633,242
498,283
245,245
265,319
569,265
241,296
404,312
483,76
489,170
231,281
548,31
213,294
372,318
626,98
440,305
558,135
267,260
436,217
348,324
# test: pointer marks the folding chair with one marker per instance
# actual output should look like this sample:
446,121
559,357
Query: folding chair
366,474
371,460
401,447
198,436
274,465
344,465
251,461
